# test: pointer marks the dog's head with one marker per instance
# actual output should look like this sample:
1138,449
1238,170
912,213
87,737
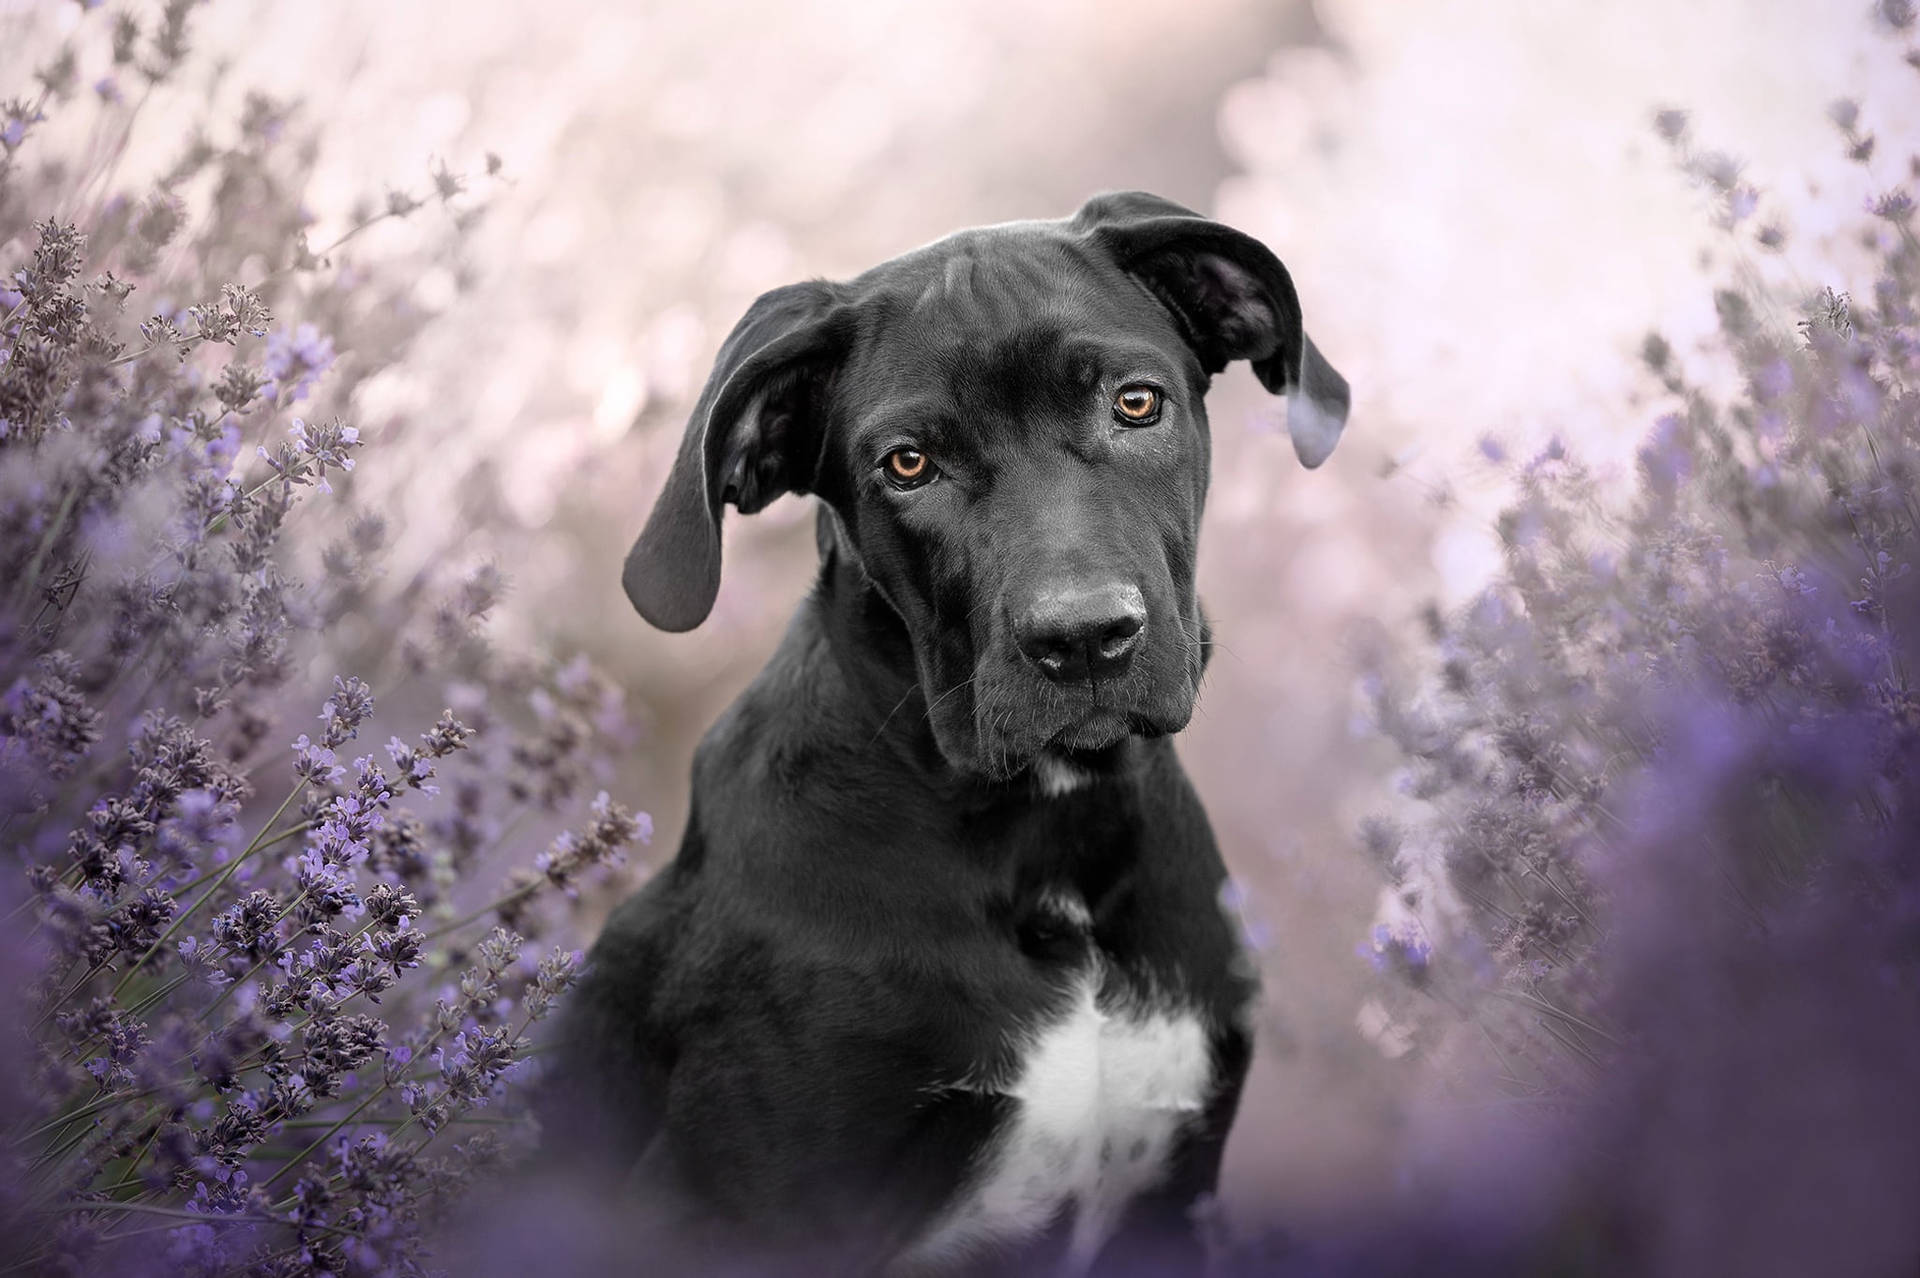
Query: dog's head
1009,429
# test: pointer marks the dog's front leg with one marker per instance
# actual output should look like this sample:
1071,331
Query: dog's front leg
1159,1237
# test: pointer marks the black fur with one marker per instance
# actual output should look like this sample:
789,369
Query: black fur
760,1049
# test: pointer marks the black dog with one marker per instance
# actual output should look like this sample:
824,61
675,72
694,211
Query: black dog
939,979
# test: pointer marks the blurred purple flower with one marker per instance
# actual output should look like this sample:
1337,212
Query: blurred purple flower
295,361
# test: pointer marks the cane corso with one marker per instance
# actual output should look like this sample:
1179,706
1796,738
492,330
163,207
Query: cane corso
940,980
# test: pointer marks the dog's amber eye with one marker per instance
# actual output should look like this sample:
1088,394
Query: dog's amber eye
1137,404
908,468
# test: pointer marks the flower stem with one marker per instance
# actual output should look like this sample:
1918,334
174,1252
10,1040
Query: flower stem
327,1135
518,894
218,883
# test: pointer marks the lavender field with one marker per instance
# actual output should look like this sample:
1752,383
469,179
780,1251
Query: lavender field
1562,740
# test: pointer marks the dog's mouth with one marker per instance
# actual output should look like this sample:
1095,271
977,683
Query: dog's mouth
1099,731
1093,741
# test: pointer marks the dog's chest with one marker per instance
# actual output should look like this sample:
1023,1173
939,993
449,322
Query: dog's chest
1100,1093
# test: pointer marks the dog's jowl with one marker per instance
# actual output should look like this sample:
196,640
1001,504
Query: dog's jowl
938,981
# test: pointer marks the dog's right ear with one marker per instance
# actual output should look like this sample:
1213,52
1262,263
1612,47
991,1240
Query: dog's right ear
755,433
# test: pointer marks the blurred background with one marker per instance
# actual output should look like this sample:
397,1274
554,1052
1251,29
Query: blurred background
1481,219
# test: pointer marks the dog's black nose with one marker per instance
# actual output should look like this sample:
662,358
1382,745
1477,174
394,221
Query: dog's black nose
1076,634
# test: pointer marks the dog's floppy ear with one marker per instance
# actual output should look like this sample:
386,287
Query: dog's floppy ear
1232,299
754,434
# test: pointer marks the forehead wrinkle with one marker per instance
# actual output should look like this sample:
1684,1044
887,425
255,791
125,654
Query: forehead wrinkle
953,283
994,283
1118,357
926,419
998,381
1006,327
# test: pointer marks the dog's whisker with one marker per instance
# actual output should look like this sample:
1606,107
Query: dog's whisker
889,719
964,683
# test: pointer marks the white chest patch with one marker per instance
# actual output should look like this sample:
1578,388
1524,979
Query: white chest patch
1055,776
1102,1096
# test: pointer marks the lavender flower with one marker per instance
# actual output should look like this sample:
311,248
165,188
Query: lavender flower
295,362
605,836
232,968
345,710
313,451
46,716
1656,874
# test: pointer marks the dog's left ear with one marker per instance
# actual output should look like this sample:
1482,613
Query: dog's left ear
1232,299
756,432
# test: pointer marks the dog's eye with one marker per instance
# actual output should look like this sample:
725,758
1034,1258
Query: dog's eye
1137,405
907,468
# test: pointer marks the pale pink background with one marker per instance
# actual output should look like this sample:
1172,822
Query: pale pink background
1470,197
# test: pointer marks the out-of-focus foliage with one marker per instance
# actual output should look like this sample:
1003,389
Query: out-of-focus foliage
1655,879
255,1011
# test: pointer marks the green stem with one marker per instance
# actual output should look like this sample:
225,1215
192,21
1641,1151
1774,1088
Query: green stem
1562,1013
198,1217
281,837
184,345
219,521
93,1107
128,1179
1579,1050
65,1145
518,894
327,1135
159,994
31,577
219,882
467,1119
69,992
349,234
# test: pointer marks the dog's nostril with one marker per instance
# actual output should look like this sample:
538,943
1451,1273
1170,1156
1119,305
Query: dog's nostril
1052,653
1117,639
